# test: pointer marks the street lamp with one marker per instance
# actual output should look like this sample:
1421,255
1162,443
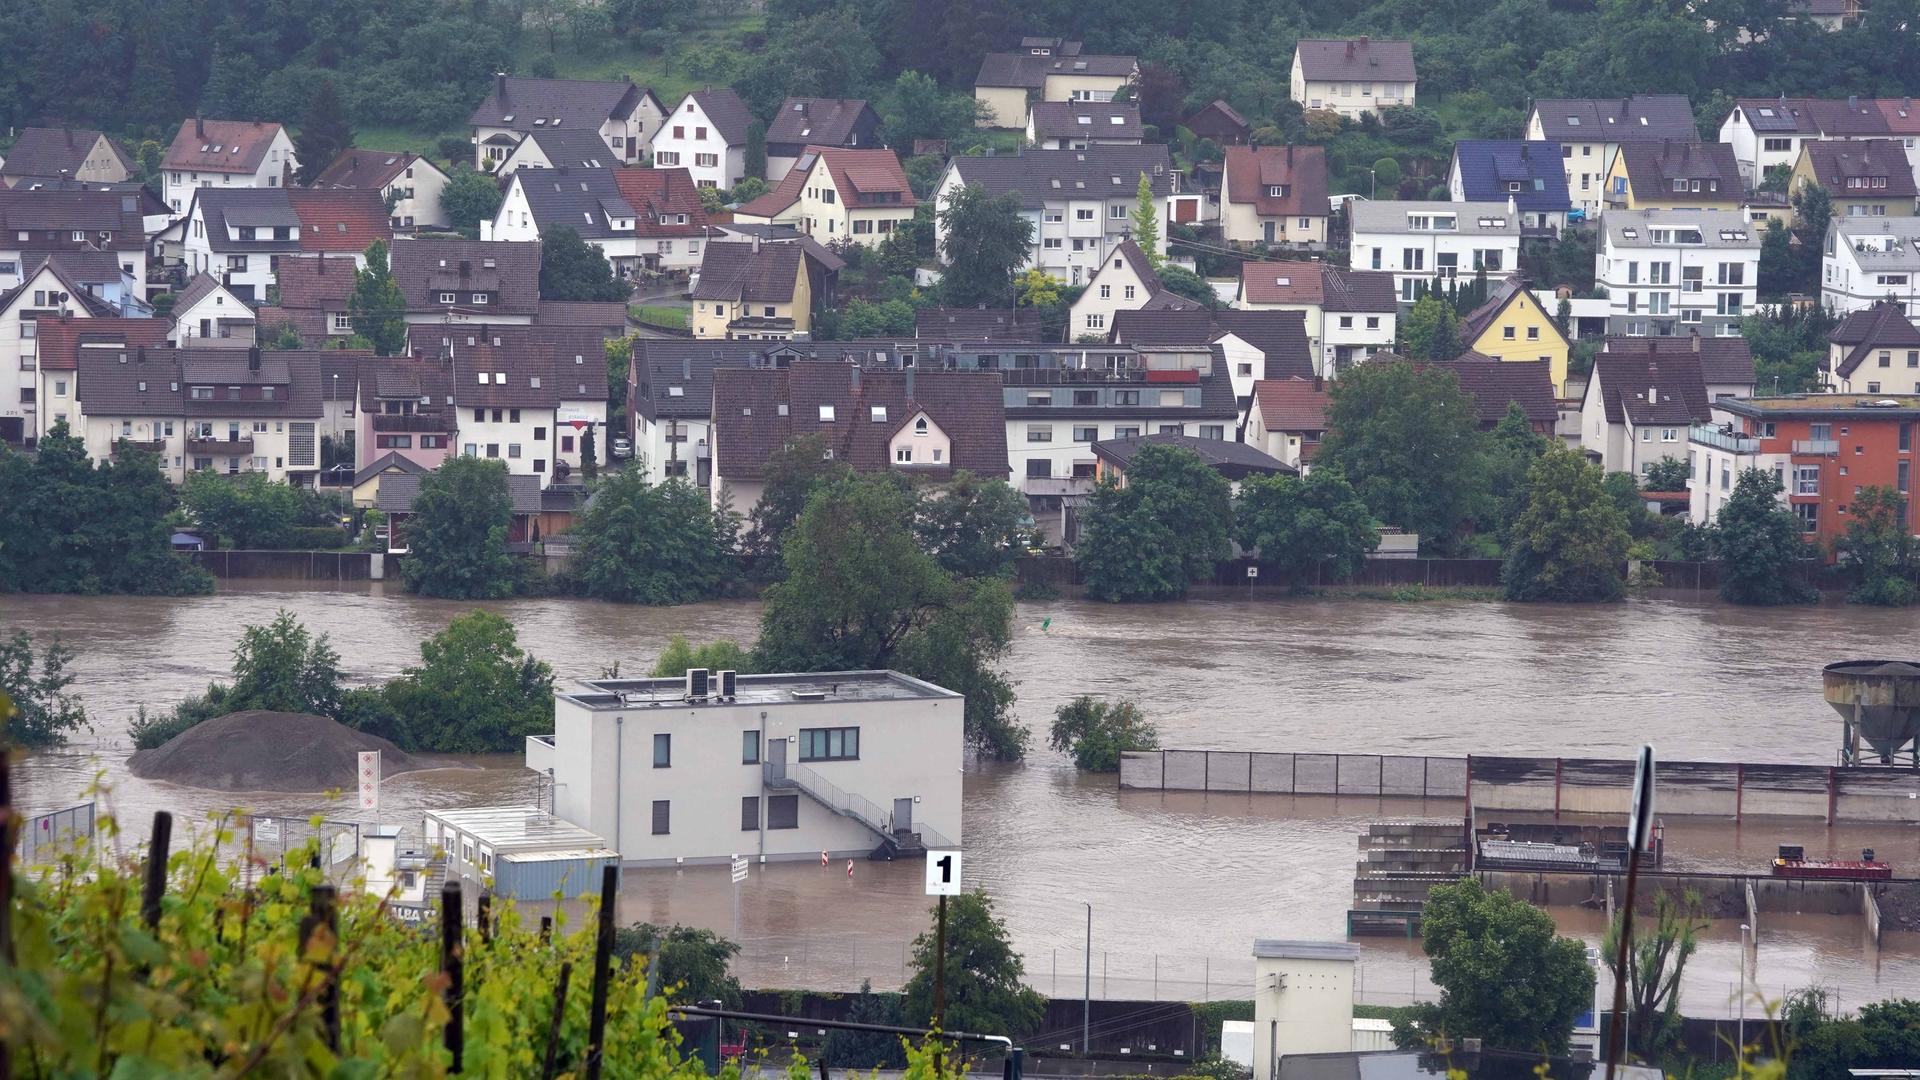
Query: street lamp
1744,931
1086,994
1373,185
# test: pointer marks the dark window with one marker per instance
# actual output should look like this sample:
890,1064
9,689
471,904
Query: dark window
662,752
749,748
783,811
660,812
1086,397
1039,467
829,744
749,813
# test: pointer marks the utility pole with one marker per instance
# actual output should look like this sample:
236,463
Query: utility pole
1086,1000
940,983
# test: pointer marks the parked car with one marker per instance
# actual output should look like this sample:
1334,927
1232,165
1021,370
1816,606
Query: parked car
622,448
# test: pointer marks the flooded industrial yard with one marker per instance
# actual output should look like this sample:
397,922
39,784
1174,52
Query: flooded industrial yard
1180,883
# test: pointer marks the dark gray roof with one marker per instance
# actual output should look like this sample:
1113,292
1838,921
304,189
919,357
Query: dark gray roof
819,121
199,288
1357,290
398,491
738,272
1652,167
514,102
730,115
1030,72
977,324
388,460
1356,60
59,210
577,147
1640,117
1280,335
55,152
1234,460
1086,120
108,387
586,200
1096,172
260,208
424,268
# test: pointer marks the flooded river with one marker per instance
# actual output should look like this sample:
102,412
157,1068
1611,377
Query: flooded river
1180,883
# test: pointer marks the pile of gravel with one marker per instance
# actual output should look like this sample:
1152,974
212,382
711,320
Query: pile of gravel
268,751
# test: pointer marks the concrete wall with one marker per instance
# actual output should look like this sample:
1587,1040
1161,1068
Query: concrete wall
1294,774
294,565
1722,895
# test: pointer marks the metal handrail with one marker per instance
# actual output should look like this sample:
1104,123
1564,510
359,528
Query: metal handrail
841,801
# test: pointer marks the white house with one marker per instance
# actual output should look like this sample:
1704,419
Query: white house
1352,75
1350,314
763,767
624,116
706,134
225,154
1769,133
586,200
1075,125
411,181
1079,202
1677,271
1870,259
207,313
1640,400
838,195
47,296
518,391
1124,282
1590,130
1434,242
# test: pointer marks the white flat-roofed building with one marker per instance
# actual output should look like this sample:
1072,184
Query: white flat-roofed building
1671,272
1867,260
1434,242
787,767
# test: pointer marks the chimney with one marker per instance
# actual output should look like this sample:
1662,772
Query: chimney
466,268
199,128
69,138
910,396
320,265
686,366
1853,102
1696,341
1319,383
1289,155
1363,41
500,86
855,382
1349,50
756,243
140,354
253,358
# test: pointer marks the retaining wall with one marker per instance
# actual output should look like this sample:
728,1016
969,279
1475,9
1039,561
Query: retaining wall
1723,896
1061,572
294,565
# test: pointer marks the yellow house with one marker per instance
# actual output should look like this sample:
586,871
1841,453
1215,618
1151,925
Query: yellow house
366,482
837,195
753,292
1674,175
1863,177
1512,325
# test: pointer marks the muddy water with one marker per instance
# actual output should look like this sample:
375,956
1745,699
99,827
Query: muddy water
1179,883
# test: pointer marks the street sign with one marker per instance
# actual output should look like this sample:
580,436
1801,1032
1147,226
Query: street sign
369,779
266,831
943,873
1640,818
739,871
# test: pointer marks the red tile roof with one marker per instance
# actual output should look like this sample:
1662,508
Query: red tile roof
368,168
1494,384
1292,404
321,284
656,192
1280,282
855,173
341,220
221,146
59,340
1300,171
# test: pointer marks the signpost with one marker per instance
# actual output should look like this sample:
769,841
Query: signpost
1639,831
943,880
266,830
370,780
739,875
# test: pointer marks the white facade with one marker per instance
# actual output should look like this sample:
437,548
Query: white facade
278,161
1625,446
790,767
21,397
687,139
1072,236
1302,1001
1434,242
530,439
613,232
216,444
1757,152
1349,99
1867,260
1677,271
416,193
1116,285
1715,459
217,318
626,136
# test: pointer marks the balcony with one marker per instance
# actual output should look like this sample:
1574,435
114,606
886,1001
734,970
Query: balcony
1732,442
428,422
221,447
151,446
1816,446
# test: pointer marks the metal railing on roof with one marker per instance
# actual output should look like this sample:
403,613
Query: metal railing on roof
1733,442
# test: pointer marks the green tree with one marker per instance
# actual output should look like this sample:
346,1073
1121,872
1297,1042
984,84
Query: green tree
1880,549
244,512
43,712
1146,223
861,594
1884,1035
693,962
572,269
457,534
987,240
1812,211
985,987
652,544
1569,540
619,365
720,654
1504,976
1431,330
1511,452
589,457
1656,959
1409,442
473,692
282,667
792,474
282,337
1667,474
1183,282
1165,526
378,308
914,107
1760,544
1309,528
1386,175
868,1049
324,132
1097,732
1778,264
469,198
973,527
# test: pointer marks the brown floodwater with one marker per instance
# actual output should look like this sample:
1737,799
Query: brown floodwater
1179,883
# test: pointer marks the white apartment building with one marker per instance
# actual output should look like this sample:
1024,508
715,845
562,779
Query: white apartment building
225,154
1352,75
1434,242
765,767
1867,260
624,116
1677,271
1769,133
706,134
1080,202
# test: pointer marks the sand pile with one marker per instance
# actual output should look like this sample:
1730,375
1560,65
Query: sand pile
268,751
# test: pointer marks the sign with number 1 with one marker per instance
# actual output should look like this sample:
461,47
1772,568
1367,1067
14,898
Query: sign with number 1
943,873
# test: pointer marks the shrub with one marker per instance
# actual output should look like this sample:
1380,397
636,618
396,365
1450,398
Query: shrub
1096,733
315,538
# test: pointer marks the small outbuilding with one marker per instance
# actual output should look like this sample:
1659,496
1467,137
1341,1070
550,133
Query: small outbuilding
527,853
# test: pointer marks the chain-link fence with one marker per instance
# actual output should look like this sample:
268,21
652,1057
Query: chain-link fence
44,836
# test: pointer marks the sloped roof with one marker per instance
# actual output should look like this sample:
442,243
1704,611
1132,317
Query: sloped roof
369,168
1292,404
507,269
1882,162
855,173
1900,114
737,272
730,116
1233,460
1086,120
1813,116
1281,336
384,462
322,284
574,147
221,146
1652,167
425,381
341,220
60,210
1220,109
1723,361
1490,167
258,208
1494,384
608,317
198,288
654,193
59,341
1099,171
1636,118
516,366
1509,290
56,152
819,121
583,199
1310,283
1629,369
398,491
1300,171
1030,72
977,324
1357,290
1355,60
1883,326
56,263
516,102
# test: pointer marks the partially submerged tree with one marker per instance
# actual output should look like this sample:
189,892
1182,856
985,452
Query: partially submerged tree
1656,960
1761,544
1097,732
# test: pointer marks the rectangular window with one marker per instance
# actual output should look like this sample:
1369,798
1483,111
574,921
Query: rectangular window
750,748
661,810
1806,480
1039,468
1086,434
662,751
1039,433
783,811
830,744
749,813
1809,514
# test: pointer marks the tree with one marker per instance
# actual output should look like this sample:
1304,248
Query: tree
43,712
1884,1035
974,528
1812,211
572,269
282,667
324,132
1146,223
469,197
1165,526
1760,544
859,594
985,990
457,534
1315,528
720,654
281,337
1409,442
589,458
914,107
987,239
1181,281
1667,474
244,512
868,1049
473,692
1386,174
378,308
1778,269
1096,733
1431,330
1656,959
792,474
1504,976
1569,540
1511,452
1881,549
619,365
692,962
652,544
1563,318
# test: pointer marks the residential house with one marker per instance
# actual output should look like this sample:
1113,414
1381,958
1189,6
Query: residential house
1512,325
670,222
494,282
1350,314
399,488
313,295
48,296
1674,174
1079,202
1495,384
1875,350
1352,75
802,122
207,313
1767,134
1220,122
569,148
1046,69
625,116
100,236
1125,282
1289,418
225,154
57,344
587,200
1234,461
1864,178
1639,402
1867,260
838,196
978,324
1529,172
1822,448
753,291
523,394
339,407
413,183
241,235
367,478
340,222
1275,195
921,423
1076,125
1726,363
1589,132
59,154
1434,243
1251,345
706,134
1677,271
407,412
1903,123
670,402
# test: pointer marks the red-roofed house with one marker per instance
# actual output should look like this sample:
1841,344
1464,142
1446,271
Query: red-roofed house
833,194
340,221
412,181
1288,418
225,153
58,342
1275,195
1350,314
669,220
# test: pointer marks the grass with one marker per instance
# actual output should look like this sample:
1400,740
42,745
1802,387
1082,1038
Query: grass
659,316
665,73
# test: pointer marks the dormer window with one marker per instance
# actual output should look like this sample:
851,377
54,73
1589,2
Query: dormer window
879,414
1276,191
826,415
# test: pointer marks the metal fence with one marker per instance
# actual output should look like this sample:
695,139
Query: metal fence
1296,774
44,836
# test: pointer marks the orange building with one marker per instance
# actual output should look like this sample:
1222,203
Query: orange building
1823,448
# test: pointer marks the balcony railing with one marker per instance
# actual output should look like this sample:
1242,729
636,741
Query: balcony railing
228,447
1707,435
1816,446
429,422
151,446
